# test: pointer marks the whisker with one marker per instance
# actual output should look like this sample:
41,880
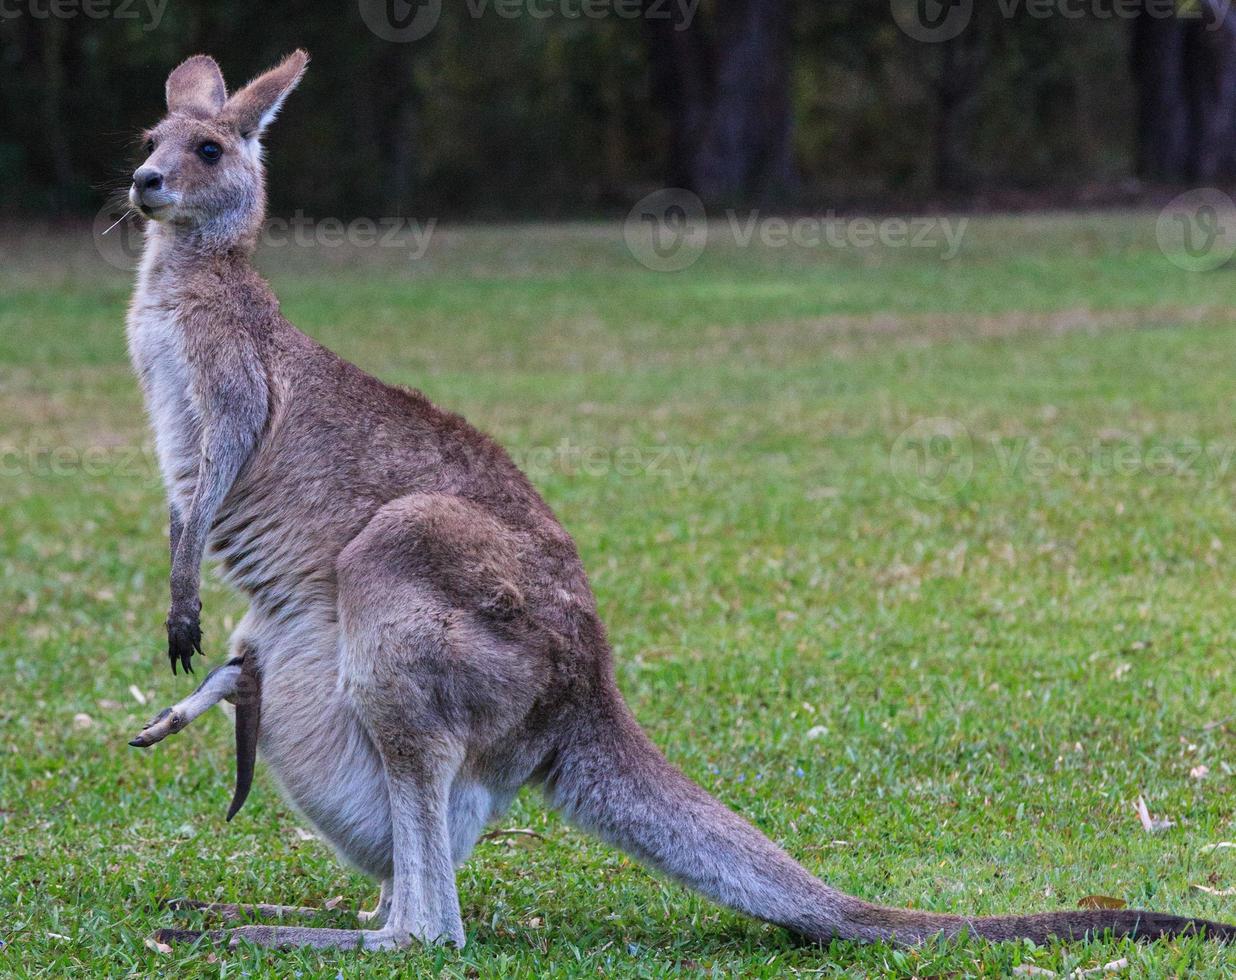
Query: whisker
127,212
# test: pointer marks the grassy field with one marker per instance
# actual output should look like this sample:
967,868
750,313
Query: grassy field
924,566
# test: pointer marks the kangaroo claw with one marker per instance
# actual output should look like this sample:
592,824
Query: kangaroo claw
184,638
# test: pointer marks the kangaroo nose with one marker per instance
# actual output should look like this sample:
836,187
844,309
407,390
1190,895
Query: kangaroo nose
148,179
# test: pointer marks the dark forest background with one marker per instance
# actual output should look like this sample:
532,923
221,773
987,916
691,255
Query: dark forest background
801,103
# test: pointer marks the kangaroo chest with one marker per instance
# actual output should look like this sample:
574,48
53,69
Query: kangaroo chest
157,350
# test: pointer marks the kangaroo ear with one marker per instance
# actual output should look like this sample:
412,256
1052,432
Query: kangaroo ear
252,108
196,88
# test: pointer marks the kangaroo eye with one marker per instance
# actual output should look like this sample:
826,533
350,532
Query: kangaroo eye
210,152
150,147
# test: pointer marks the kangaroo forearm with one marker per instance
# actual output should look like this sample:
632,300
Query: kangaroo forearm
187,558
226,447
227,451
175,528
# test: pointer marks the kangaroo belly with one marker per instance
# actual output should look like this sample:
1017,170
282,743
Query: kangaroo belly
314,744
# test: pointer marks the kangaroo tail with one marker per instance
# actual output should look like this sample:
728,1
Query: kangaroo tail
612,781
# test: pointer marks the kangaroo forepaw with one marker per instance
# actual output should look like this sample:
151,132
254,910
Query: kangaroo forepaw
184,638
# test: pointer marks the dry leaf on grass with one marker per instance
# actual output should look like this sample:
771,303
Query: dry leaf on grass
1152,825
1214,891
157,946
138,696
1199,772
1029,970
1221,846
527,836
1101,902
1115,966
333,903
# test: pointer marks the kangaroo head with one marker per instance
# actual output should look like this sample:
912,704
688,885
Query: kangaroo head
203,167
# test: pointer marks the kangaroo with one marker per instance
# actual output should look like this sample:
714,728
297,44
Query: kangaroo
421,635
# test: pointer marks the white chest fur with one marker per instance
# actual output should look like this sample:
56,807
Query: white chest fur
156,347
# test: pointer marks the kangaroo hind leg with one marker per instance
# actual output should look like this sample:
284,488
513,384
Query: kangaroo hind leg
437,685
437,689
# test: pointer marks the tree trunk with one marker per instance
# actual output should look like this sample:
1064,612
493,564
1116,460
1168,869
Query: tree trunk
962,61
403,143
723,82
1185,72
55,140
1212,53
952,71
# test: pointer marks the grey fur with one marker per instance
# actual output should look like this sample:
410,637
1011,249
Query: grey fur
424,630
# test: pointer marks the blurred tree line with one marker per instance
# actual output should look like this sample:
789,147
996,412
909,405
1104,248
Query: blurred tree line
512,108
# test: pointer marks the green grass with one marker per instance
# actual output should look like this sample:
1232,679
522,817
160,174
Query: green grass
940,687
